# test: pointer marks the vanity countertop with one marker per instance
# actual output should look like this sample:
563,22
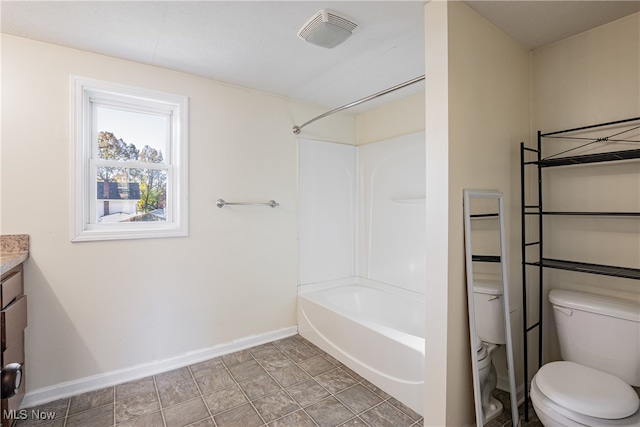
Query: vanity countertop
14,250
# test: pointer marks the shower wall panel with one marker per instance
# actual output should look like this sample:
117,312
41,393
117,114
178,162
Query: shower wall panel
327,192
391,223
385,183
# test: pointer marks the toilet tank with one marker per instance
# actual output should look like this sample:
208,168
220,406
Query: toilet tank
600,332
489,308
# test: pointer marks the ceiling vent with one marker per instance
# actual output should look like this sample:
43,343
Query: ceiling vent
327,29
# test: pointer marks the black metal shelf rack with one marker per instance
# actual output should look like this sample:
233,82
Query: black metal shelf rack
620,127
485,258
583,267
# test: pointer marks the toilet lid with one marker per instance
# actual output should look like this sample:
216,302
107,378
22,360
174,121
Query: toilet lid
587,391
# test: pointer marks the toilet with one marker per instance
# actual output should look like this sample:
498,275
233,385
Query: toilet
491,407
489,310
600,346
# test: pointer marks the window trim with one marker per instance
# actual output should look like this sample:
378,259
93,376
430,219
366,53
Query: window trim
83,91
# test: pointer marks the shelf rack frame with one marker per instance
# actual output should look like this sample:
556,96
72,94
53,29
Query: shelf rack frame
537,210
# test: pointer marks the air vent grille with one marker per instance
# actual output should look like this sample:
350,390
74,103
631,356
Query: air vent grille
311,26
341,22
327,24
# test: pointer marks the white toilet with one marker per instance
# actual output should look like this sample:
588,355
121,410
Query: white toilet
600,343
489,308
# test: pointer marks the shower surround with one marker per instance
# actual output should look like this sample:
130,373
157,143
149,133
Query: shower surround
362,258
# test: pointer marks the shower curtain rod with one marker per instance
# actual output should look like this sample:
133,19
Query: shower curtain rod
297,129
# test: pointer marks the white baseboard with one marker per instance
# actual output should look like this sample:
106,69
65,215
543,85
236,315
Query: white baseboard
504,386
108,379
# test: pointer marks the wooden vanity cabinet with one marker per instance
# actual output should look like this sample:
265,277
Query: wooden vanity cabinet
13,321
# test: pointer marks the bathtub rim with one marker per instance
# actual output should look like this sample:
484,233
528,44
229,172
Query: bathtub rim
358,280
415,342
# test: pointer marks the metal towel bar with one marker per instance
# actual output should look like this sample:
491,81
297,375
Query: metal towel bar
271,203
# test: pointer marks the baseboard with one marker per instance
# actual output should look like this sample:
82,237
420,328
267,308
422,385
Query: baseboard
520,393
108,379
504,386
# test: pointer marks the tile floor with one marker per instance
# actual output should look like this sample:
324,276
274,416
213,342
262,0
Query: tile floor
286,383
504,419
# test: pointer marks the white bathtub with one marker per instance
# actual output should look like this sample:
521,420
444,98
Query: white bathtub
374,329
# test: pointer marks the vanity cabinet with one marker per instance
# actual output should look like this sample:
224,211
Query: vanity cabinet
13,321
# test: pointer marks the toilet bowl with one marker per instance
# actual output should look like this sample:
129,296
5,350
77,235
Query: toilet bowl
488,378
489,312
599,339
484,358
568,394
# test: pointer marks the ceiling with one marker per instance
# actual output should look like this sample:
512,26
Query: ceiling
254,44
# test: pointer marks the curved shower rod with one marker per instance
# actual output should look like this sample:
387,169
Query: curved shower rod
297,129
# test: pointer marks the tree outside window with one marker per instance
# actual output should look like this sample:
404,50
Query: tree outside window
146,187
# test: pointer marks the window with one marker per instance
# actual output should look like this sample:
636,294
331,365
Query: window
129,162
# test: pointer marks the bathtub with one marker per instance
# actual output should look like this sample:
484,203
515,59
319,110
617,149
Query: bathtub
375,329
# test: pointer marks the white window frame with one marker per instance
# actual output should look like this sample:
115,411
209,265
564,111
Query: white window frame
86,95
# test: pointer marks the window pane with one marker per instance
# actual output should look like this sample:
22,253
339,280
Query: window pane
128,195
129,160
128,135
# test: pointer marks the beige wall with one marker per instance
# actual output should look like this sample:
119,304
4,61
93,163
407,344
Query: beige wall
398,118
97,307
437,177
477,108
590,78
485,108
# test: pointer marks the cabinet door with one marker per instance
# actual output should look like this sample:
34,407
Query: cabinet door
13,320
10,288
14,352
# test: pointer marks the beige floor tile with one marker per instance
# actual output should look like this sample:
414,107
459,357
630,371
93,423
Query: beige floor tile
185,413
242,416
286,383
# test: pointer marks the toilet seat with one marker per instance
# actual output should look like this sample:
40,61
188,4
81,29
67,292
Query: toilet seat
482,356
587,391
562,380
481,349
